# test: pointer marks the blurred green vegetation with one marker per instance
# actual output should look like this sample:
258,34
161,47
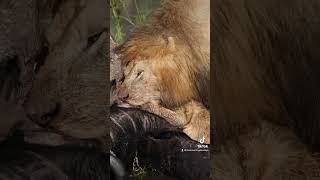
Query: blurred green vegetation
137,170
127,14
142,172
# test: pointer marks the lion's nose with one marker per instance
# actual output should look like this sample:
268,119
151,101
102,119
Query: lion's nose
123,95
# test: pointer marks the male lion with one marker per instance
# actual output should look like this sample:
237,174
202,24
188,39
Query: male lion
140,87
166,66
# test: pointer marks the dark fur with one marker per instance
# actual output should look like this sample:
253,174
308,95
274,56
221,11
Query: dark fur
270,69
22,161
129,126
266,81
157,142
9,78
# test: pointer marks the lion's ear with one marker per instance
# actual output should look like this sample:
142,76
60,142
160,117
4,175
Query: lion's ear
171,43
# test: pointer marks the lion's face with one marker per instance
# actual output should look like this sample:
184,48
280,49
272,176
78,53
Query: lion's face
138,85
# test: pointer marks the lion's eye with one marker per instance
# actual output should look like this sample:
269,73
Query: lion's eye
122,79
139,74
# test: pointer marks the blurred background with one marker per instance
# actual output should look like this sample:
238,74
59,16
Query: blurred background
127,14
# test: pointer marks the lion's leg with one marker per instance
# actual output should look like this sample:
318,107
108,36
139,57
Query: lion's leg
174,118
198,117
193,117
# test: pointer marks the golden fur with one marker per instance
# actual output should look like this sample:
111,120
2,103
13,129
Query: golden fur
140,88
192,117
172,52
183,67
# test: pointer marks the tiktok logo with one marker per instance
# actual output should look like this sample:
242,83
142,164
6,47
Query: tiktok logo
202,140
